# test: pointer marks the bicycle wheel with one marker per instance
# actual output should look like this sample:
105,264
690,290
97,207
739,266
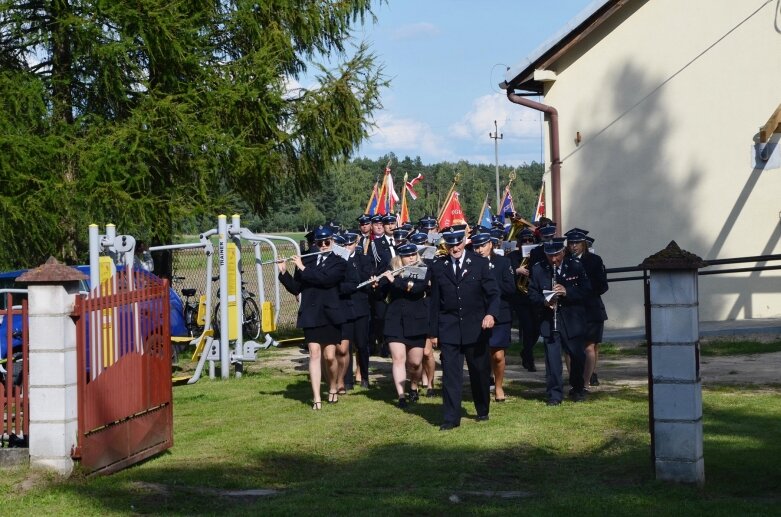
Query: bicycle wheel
251,327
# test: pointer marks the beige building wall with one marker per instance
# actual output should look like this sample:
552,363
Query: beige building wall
668,97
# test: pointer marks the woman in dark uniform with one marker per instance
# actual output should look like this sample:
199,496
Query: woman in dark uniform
406,319
500,334
317,280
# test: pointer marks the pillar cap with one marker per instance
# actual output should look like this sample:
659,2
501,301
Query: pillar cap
52,272
673,257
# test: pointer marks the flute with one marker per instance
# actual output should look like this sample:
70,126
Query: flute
375,278
291,258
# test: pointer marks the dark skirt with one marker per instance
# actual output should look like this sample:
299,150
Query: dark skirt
323,335
411,341
500,336
594,331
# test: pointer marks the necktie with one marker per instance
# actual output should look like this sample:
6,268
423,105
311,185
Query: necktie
458,270
320,260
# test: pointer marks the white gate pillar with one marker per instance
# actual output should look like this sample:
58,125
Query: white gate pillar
674,356
53,397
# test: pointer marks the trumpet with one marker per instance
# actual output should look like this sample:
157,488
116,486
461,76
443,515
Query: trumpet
291,258
517,224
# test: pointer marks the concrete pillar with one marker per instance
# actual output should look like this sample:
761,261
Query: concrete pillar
674,356
52,289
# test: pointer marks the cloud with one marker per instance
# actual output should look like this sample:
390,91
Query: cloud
415,31
514,121
406,136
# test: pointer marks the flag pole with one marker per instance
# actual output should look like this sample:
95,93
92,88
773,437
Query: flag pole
482,210
449,195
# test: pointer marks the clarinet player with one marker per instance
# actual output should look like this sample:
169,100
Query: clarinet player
558,288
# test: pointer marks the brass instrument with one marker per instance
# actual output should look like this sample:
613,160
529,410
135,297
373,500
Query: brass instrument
517,224
522,282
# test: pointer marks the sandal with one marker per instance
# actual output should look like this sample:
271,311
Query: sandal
342,391
317,406
333,397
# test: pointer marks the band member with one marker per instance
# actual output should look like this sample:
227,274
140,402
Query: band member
355,302
596,315
320,315
365,230
464,306
559,287
499,341
420,239
406,319
537,255
528,322
380,250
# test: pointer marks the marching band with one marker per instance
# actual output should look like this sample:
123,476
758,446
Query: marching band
403,291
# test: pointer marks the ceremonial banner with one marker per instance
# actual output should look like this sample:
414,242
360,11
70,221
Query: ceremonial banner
371,206
452,213
486,218
404,213
507,206
410,184
540,211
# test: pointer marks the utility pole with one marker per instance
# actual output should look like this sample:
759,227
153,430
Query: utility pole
496,137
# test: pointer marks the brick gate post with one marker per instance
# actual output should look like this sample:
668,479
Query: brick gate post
52,289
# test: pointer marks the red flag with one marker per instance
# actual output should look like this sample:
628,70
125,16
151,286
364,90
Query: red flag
410,184
452,214
540,211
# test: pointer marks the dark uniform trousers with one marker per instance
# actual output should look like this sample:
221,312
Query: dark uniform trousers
458,306
477,361
567,331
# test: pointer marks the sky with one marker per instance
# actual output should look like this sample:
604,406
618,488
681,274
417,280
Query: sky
445,59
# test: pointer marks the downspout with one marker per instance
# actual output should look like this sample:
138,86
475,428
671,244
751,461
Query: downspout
553,117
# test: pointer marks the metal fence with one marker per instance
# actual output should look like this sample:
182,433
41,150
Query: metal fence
189,271
14,427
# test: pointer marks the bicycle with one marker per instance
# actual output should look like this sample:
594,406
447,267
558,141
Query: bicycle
250,326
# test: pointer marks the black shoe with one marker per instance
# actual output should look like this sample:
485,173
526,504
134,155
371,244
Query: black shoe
531,367
594,381
481,418
430,392
553,403
571,392
579,396
364,384
447,426
402,403
413,396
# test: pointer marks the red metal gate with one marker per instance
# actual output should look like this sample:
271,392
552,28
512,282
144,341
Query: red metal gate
124,376
14,427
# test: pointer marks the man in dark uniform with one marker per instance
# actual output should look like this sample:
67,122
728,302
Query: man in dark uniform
464,305
537,255
365,232
559,287
382,251
528,322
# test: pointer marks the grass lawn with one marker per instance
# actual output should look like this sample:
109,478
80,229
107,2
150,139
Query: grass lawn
363,456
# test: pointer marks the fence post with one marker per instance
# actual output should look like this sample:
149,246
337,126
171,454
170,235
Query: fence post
676,388
52,289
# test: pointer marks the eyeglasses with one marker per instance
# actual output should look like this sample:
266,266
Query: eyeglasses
326,242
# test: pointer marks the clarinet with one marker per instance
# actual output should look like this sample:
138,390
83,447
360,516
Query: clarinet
555,305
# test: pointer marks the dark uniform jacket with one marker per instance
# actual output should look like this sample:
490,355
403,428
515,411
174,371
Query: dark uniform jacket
319,290
355,301
595,269
500,266
571,308
380,251
407,314
537,255
458,306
